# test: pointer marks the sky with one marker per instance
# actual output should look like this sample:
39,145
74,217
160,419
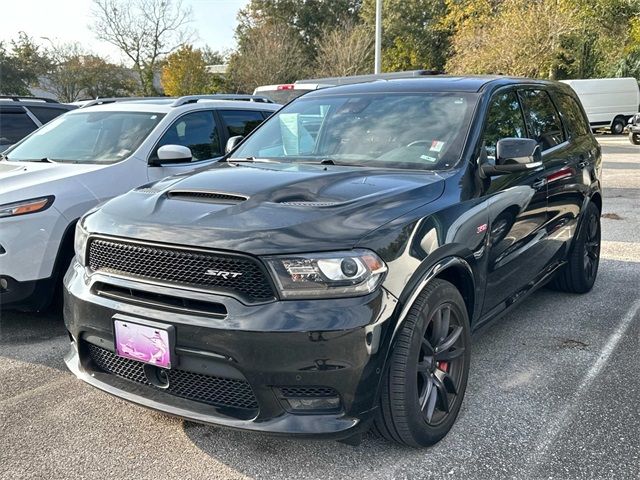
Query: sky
64,21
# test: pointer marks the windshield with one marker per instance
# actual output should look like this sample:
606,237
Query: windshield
87,137
394,130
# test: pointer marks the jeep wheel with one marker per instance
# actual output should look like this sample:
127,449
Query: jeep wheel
634,138
579,275
426,378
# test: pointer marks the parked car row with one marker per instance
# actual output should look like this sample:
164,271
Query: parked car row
323,274
93,154
19,116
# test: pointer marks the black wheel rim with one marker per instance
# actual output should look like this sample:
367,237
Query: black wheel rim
592,247
440,364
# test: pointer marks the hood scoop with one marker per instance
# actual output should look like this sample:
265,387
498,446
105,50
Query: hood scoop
310,204
207,196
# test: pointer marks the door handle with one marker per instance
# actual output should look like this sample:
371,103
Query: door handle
538,184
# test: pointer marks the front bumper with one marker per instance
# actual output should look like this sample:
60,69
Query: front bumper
337,345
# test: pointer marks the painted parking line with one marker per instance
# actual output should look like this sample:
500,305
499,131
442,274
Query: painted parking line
561,420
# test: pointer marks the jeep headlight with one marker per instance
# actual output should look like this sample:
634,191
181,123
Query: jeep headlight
327,274
80,243
26,206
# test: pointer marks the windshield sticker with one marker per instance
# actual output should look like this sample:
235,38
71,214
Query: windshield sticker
428,158
289,131
436,146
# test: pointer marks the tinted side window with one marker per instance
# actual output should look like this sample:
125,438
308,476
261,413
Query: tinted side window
542,118
504,120
14,126
198,131
241,122
572,116
45,114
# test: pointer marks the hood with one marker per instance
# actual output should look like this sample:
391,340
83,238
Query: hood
267,208
23,180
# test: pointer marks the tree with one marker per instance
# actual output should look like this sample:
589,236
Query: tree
75,74
308,20
21,66
346,50
540,38
267,54
413,36
521,37
185,73
144,31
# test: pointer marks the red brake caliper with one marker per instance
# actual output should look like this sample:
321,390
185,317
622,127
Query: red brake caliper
444,366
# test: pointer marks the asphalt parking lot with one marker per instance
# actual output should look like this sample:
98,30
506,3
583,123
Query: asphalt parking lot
553,393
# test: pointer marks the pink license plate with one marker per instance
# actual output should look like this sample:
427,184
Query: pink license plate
142,343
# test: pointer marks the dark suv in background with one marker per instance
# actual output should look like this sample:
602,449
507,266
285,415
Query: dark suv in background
19,116
326,275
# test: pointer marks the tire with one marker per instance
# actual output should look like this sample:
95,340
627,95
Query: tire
580,273
634,138
420,395
617,126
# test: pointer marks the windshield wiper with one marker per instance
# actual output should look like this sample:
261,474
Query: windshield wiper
41,160
250,160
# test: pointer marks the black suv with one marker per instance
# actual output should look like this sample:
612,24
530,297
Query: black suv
19,116
326,275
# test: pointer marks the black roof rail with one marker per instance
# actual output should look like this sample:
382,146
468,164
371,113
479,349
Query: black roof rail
27,98
104,101
220,96
370,77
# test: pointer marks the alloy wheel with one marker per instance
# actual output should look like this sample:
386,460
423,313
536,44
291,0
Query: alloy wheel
592,247
440,364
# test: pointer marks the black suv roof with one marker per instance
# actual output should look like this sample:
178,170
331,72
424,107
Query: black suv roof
438,83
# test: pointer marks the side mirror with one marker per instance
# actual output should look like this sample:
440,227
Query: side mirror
233,142
514,155
172,154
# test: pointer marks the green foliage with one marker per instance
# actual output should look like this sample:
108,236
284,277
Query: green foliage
541,38
414,35
21,65
185,73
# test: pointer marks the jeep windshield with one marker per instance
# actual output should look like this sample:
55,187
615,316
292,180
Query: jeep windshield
390,130
87,137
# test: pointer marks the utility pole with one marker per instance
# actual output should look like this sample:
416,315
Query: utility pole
378,48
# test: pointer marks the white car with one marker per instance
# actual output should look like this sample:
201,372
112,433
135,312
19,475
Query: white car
92,154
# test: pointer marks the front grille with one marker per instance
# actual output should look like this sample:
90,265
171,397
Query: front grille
306,392
237,275
218,391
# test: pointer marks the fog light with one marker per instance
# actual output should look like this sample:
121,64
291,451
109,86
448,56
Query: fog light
4,284
320,403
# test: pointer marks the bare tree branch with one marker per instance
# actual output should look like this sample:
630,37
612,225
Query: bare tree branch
144,31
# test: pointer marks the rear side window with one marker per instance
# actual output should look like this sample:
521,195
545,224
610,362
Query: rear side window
542,118
198,131
45,114
504,120
241,122
14,126
572,117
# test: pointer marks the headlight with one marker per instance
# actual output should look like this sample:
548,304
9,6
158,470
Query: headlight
26,206
327,275
80,243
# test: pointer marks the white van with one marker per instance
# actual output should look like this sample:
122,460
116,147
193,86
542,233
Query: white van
609,102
